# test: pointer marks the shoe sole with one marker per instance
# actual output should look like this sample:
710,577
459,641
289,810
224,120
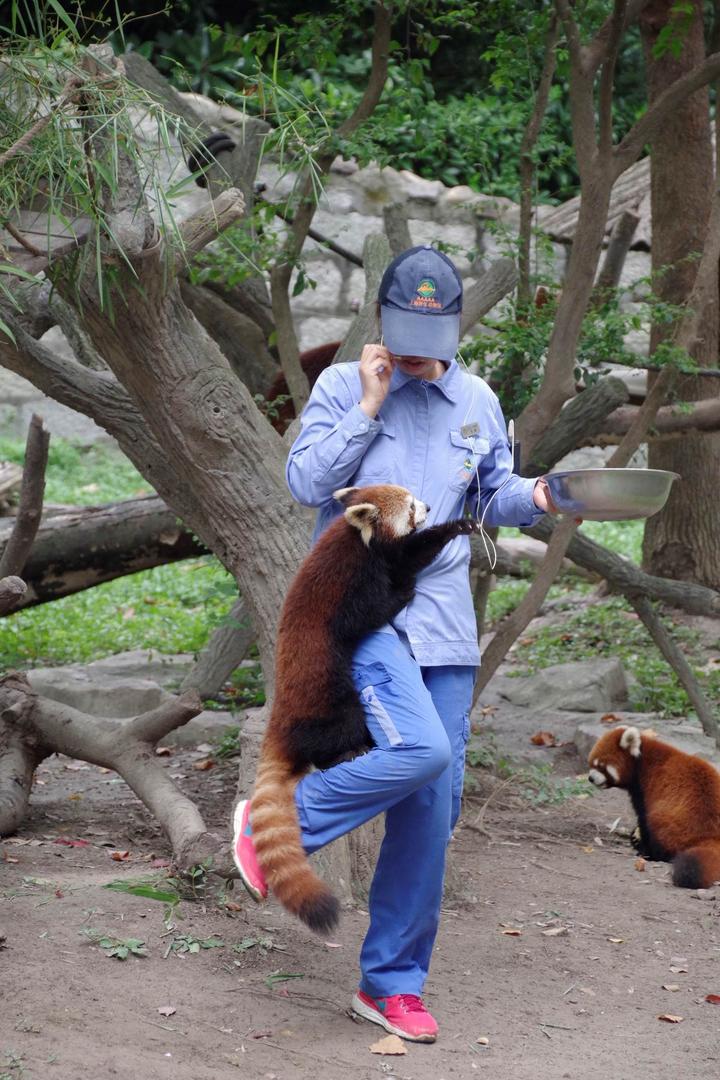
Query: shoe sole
368,1013
256,894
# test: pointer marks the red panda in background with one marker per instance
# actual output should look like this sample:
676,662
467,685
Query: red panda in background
675,795
313,362
359,575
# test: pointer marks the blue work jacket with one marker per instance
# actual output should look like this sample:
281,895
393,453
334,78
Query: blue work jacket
416,441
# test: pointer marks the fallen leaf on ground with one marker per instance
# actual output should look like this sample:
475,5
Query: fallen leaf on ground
640,864
609,718
678,969
167,1010
483,1040
588,850
333,945
203,748
511,931
204,765
616,940
163,751
71,843
671,986
555,931
119,856
391,1044
543,738
712,999
670,1019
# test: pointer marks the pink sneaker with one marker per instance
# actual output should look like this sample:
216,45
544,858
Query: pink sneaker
402,1014
243,851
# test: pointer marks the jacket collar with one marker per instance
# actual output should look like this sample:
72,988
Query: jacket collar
448,384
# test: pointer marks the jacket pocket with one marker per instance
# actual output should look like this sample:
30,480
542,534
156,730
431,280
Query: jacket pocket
378,462
466,453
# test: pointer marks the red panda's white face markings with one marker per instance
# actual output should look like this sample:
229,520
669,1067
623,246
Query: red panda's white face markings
383,510
612,759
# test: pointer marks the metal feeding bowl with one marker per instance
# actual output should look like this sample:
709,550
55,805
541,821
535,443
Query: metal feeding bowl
610,494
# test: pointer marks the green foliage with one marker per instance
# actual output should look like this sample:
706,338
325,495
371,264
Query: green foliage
671,38
187,943
169,608
82,475
83,153
115,947
611,628
511,352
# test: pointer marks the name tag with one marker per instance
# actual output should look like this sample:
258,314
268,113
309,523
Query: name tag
468,430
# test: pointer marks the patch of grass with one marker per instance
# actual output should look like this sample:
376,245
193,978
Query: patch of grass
170,608
83,475
612,628
535,783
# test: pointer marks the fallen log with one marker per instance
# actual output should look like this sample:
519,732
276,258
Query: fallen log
85,547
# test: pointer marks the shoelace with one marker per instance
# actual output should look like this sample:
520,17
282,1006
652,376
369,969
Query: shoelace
411,1003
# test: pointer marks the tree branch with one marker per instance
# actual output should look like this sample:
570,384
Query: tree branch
624,577
597,50
617,23
679,664
629,149
205,226
26,525
281,273
11,589
582,105
527,165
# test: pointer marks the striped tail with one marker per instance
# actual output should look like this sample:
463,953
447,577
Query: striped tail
279,850
697,867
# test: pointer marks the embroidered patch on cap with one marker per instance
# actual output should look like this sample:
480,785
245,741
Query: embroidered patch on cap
425,294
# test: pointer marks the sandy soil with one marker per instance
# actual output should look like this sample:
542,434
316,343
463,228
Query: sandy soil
599,951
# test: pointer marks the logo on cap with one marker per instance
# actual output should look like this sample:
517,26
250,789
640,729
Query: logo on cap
425,294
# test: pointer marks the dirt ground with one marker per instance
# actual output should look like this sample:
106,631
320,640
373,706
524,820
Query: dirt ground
597,952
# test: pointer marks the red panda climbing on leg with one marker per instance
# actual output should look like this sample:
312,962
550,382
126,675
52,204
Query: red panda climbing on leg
675,795
360,574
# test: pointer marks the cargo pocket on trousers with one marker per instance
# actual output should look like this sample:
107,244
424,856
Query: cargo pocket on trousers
367,679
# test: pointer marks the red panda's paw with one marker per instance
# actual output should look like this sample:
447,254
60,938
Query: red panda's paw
467,526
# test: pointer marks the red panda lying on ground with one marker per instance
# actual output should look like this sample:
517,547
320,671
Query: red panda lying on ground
676,797
358,576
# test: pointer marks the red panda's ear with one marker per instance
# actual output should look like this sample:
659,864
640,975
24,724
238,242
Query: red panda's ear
362,515
343,494
631,741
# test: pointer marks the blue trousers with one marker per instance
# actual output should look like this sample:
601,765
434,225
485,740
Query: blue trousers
418,718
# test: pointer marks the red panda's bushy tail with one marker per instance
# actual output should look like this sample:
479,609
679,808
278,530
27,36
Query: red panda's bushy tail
279,850
698,866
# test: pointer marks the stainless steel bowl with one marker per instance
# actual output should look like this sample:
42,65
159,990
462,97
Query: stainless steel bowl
610,494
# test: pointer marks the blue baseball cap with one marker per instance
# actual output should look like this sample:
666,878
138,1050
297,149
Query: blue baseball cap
420,303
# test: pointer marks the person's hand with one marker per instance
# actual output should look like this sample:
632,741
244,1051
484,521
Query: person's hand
376,368
542,497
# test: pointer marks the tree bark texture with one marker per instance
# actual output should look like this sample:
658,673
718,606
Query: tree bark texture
681,541
80,548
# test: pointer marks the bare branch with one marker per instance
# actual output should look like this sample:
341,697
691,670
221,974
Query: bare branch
597,50
582,104
487,291
280,275
528,607
155,725
616,25
200,229
702,297
26,525
679,664
527,165
630,148
669,422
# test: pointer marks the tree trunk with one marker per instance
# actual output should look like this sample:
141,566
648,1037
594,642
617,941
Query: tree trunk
81,548
681,541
